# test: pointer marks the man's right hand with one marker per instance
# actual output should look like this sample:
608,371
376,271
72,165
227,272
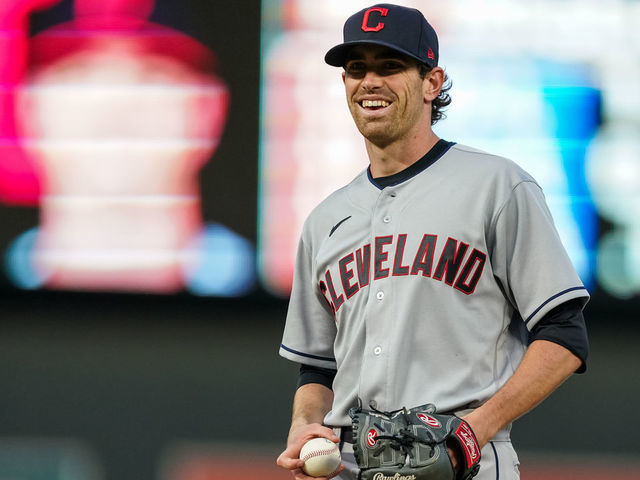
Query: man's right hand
298,436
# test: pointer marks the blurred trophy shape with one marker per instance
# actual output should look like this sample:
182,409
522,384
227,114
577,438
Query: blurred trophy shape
119,114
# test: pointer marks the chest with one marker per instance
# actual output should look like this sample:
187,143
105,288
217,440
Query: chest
405,233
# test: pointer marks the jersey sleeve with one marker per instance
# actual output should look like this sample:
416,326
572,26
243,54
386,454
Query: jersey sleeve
528,256
310,328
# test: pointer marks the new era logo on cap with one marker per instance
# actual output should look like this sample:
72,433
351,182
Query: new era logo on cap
400,28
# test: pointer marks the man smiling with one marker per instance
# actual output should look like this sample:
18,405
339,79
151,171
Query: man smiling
372,319
385,95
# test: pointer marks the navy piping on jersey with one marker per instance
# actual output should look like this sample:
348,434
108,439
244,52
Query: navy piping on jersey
495,454
308,355
550,299
437,151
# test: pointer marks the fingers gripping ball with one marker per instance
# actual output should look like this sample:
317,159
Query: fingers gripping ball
321,457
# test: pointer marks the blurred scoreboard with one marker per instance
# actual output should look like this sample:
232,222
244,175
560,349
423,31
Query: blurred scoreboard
149,146
531,81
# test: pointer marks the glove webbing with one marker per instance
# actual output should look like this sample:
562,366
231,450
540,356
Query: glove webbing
404,439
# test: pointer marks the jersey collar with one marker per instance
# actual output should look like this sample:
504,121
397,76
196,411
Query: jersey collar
437,151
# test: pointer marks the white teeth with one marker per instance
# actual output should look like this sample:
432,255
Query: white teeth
375,103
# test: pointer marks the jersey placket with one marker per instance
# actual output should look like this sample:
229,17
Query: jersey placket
374,378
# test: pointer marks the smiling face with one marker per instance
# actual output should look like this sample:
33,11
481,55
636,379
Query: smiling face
387,97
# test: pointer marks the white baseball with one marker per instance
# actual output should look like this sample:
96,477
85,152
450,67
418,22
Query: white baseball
321,457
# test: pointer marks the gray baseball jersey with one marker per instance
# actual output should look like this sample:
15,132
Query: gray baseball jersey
424,290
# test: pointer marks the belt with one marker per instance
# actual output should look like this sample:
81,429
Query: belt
346,435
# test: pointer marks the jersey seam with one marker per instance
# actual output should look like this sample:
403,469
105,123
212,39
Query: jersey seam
467,149
339,194
347,192
504,205
496,354
314,275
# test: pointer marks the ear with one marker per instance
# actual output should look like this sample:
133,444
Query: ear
344,75
432,84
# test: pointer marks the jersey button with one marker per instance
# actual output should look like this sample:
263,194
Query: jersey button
377,350
386,219
380,295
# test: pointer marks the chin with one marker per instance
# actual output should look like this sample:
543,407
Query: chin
380,137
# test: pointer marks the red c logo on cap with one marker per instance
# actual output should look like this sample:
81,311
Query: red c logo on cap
365,19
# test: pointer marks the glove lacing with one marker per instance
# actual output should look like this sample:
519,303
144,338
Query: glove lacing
404,439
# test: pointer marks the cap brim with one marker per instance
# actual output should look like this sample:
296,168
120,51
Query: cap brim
337,55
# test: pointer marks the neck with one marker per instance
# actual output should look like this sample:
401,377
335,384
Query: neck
395,157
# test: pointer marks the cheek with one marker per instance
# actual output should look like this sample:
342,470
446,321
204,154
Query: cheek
411,88
350,87
413,98
350,101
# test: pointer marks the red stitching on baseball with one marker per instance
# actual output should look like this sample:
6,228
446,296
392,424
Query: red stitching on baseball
316,453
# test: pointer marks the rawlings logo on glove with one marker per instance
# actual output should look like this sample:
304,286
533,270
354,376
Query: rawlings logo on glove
468,442
397,476
371,437
412,445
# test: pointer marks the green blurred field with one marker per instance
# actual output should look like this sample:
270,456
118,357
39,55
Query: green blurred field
114,387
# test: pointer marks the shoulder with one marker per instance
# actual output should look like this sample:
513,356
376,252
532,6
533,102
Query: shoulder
494,175
489,164
333,208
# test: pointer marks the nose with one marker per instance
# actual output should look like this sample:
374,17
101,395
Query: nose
371,80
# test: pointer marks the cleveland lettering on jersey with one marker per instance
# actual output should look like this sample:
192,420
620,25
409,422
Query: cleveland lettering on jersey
457,265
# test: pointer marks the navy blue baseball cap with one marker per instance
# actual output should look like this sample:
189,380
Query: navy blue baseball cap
400,28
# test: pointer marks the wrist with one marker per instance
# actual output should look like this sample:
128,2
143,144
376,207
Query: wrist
300,433
481,428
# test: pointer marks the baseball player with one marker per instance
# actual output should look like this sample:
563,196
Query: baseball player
435,276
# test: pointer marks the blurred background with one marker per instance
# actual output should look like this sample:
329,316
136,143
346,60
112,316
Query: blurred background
157,160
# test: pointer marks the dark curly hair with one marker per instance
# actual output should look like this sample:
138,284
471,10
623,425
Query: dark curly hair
442,100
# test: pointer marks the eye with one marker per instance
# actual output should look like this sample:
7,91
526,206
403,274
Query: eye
393,66
355,68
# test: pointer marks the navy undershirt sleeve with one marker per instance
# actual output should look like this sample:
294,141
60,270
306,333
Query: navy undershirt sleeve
311,374
565,326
